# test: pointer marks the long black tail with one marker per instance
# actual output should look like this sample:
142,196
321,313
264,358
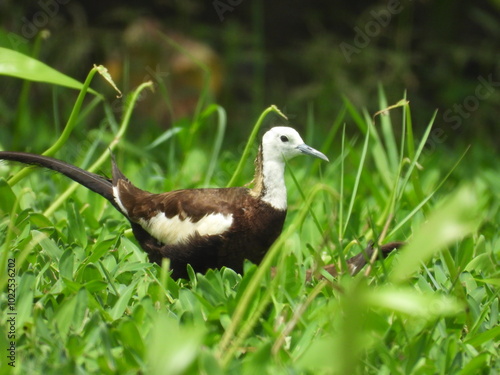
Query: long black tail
92,181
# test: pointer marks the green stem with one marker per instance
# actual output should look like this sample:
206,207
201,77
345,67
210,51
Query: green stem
104,156
250,323
5,252
246,299
357,180
221,129
66,132
250,142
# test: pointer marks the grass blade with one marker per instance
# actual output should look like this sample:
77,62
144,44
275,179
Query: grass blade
456,218
357,180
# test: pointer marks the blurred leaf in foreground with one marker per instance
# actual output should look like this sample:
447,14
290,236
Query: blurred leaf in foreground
452,220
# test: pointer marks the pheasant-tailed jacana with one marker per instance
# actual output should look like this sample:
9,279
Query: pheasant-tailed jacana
206,228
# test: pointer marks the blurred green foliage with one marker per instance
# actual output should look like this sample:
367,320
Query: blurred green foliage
289,54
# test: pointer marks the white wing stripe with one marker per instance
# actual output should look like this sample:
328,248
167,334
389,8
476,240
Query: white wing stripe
116,195
174,230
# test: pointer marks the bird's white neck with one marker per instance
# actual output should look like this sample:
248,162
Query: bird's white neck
270,181
274,184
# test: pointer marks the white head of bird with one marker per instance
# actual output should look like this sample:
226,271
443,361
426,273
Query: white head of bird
281,144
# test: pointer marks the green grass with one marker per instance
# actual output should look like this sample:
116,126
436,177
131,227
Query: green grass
88,301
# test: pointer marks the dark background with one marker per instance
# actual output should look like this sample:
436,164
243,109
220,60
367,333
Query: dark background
288,53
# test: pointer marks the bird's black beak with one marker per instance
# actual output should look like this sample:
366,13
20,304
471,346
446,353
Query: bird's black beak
305,149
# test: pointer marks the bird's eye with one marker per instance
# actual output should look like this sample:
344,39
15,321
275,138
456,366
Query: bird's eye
284,138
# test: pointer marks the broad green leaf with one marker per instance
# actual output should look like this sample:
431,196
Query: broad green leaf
492,281
71,286
76,227
99,249
48,245
477,363
91,272
24,297
131,248
175,355
123,302
16,64
66,264
131,336
40,220
95,286
71,312
75,346
481,338
7,197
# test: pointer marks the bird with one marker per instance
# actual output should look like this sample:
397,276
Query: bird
207,228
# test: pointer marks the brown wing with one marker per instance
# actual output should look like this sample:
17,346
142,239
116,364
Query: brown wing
193,204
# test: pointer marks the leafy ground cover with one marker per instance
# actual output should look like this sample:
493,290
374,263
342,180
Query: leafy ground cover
88,301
